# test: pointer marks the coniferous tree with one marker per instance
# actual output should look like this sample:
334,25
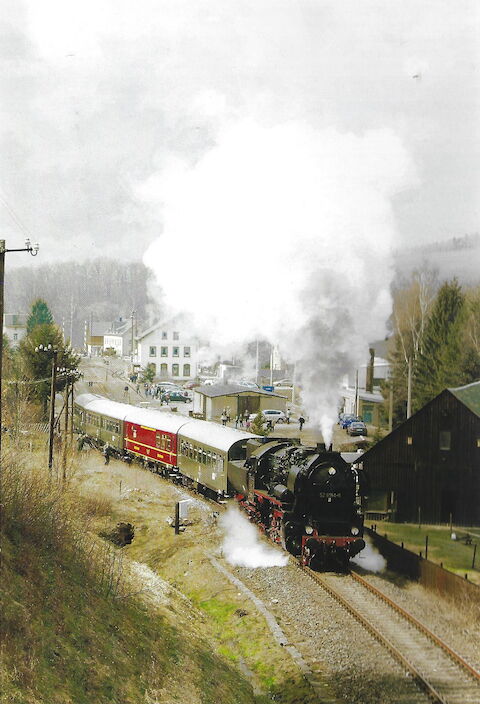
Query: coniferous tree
39,315
438,365
37,363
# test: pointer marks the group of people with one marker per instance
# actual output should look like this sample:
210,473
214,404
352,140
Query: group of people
242,420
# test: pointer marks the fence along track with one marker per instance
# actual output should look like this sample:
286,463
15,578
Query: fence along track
433,665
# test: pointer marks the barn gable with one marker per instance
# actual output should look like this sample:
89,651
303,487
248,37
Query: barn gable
429,467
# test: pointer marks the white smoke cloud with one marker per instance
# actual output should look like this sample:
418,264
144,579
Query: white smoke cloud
285,233
370,559
242,545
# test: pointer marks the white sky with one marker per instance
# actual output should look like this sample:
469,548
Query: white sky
99,97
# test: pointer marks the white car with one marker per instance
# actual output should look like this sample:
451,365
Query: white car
271,415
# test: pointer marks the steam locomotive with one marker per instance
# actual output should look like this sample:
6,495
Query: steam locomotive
307,499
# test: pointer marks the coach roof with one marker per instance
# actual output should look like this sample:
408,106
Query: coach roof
213,434
99,404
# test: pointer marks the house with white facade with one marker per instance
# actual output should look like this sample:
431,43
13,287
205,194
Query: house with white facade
119,338
15,327
171,348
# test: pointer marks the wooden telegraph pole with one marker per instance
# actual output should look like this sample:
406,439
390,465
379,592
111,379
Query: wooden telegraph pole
52,409
3,250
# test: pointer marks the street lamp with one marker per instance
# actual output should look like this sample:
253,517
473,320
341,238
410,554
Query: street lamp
49,348
33,250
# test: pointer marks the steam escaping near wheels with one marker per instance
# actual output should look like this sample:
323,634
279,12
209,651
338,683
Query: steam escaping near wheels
242,544
369,558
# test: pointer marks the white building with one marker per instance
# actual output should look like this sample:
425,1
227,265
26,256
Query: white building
15,327
170,348
119,338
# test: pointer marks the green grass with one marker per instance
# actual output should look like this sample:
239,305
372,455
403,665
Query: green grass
68,635
455,555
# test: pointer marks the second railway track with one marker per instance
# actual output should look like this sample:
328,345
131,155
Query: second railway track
441,672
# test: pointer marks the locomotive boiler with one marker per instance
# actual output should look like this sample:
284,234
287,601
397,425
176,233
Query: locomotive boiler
309,499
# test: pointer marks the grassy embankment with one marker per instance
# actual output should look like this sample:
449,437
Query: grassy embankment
236,630
72,628
455,555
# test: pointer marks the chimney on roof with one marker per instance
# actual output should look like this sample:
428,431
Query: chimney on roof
371,364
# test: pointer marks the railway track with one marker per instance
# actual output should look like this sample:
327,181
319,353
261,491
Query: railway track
441,672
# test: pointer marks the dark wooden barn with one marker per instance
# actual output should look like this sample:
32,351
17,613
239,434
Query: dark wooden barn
429,467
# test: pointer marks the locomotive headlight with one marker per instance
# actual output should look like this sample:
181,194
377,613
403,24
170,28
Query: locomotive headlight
308,530
332,471
354,530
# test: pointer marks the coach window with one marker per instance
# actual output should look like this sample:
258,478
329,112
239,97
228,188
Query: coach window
175,369
153,351
164,351
158,440
186,370
175,352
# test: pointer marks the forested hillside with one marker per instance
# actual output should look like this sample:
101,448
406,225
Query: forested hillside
100,289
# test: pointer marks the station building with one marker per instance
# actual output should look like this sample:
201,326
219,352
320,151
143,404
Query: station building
209,401
429,467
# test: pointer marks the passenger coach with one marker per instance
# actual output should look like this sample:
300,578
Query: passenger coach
200,450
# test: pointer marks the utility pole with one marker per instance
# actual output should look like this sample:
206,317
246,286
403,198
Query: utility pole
133,334
52,409
66,394
390,409
356,394
33,251
256,365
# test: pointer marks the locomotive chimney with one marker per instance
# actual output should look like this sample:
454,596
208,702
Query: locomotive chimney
369,379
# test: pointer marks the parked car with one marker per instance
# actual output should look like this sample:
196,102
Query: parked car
271,415
177,396
347,419
283,382
357,427
191,384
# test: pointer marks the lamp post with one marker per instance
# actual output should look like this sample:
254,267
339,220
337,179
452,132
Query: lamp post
33,250
54,352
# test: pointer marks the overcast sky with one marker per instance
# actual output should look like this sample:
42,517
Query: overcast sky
98,97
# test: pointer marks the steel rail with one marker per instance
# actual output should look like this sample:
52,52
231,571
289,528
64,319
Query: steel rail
418,624
436,697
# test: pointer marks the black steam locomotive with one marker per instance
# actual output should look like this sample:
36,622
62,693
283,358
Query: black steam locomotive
309,499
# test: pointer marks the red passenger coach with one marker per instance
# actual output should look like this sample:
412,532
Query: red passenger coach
153,435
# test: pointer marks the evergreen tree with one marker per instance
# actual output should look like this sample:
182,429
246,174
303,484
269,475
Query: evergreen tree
39,315
258,425
437,365
470,357
37,363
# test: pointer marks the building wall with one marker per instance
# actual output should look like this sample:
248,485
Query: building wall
213,407
15,334
169,347
115,342
413,469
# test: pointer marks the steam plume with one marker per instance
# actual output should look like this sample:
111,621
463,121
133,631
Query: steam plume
285,233
242,545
